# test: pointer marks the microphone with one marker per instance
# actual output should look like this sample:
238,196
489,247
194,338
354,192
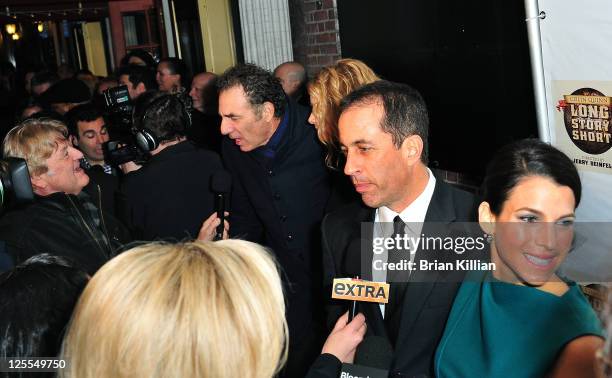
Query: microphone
374,351
221,184
353,268
372,359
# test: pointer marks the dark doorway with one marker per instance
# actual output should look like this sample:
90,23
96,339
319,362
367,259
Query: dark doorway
188,26
469,59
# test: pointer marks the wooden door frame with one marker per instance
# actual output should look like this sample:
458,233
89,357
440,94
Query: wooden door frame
115,11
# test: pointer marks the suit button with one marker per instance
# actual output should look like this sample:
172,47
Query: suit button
289,237
283,218
270,173
277,196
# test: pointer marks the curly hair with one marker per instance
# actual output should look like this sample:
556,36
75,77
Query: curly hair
326,91
259,85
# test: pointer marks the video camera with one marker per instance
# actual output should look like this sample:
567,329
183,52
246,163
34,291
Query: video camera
118,106
15,185
120,113
120,152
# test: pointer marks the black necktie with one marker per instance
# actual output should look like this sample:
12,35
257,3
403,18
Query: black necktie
397,280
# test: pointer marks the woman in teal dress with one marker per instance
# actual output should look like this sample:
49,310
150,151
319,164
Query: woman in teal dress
522,320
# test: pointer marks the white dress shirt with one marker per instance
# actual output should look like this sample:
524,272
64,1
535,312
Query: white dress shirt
413,216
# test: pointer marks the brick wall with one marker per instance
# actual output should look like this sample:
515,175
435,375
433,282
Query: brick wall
315,35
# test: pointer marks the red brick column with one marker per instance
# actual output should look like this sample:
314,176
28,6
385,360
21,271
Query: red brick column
316,42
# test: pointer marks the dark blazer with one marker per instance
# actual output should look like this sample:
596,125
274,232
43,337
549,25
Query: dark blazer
427,301
169,197
109,184
60,225
279,202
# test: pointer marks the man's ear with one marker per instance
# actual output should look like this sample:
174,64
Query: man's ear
295,84
140,88
267,111
486,218
74,140
412,148
39,184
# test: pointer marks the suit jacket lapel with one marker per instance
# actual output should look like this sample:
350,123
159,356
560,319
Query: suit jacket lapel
421,283
362,250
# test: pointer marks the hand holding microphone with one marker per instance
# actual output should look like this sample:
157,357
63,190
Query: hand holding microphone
343,340
209,229
221,183
371,358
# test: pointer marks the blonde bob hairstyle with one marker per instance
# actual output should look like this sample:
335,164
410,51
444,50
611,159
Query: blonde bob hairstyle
34,140
326,91
198,309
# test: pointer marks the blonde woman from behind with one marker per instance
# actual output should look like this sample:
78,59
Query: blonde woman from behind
198,309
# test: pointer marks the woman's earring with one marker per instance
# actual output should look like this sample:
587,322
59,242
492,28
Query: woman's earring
489,238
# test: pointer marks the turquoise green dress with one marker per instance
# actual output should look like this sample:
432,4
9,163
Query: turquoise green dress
497,329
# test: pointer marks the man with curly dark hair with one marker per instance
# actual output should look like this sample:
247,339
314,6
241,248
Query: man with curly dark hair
280,189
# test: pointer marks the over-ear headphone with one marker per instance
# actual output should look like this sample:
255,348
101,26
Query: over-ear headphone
146,140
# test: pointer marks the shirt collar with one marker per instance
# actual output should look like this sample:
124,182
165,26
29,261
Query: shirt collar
86,165
416,211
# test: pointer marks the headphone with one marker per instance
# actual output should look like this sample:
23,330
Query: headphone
146,139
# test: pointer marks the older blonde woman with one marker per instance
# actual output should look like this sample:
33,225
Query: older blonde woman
195,309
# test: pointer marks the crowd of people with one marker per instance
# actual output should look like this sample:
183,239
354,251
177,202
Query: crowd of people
116,267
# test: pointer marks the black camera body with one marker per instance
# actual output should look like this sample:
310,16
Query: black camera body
118,108
120,152
117,100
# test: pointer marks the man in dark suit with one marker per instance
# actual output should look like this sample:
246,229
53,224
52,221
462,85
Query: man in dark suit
170,196
280,190
383,132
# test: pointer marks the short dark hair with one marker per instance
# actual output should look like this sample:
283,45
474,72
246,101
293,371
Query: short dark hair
259,85
404,108
163,114
43,77
37,298
178,67
139,53
139,74
81,113
527,157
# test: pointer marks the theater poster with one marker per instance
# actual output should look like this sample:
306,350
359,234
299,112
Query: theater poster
582,123
576,55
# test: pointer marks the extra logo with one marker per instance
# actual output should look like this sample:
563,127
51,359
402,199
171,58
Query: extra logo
359,290
587,114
